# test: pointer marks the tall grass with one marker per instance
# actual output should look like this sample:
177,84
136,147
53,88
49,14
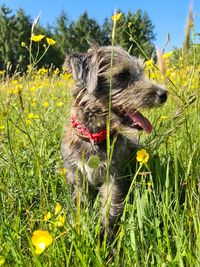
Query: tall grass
161,222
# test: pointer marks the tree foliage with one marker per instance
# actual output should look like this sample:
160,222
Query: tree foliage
7,36
23,30
134,32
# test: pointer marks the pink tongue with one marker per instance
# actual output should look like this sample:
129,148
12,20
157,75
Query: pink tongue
142,121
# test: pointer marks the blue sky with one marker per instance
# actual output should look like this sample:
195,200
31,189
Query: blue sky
168,16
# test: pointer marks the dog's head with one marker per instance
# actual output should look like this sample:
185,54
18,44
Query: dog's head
106,74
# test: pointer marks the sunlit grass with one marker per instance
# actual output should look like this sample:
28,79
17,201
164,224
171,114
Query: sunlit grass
161,222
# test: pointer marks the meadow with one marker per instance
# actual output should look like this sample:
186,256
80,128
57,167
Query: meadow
40,225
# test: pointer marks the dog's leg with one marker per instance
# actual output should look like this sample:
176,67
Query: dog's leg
113,196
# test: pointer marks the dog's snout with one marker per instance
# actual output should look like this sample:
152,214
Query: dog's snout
162,94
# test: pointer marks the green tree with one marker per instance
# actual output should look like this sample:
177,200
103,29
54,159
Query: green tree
15,29
62,33
134,32
82,31
7,47
106,30
75,35
22,34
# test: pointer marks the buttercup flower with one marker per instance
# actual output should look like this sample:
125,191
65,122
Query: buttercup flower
42,71
47,216
59,104
58,208
30,115
41,239
167,55
33,116
45,104
62,171
37,38
60,221
142,156
28,122
50,41
149,63
116,16
2,260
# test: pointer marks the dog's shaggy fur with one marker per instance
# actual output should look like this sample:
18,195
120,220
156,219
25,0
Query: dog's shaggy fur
100,74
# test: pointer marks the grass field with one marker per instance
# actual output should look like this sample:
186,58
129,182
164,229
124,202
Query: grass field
162,222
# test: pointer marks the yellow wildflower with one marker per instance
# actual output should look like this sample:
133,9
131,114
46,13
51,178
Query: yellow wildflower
142,156
66,76
41,239
58,208
149,63
37,38
45,104
149,184
59,104
2,72
2,127
23,44
60,221
47,216
2,260
28,122
42,71
15,91
50,41
36,116
163,117
116,16
56,71
14,82
62,171
31,115
167,55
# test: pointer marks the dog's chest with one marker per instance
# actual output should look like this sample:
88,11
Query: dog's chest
93,175
121,156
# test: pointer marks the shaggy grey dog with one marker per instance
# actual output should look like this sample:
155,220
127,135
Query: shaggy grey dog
102,74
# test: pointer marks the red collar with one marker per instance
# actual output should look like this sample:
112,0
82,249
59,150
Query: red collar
85,134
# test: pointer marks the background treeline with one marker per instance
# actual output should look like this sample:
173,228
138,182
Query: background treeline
135,32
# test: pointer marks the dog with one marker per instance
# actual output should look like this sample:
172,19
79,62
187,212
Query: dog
109,92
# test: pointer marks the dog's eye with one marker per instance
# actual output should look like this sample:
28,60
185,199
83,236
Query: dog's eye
122,80
123,76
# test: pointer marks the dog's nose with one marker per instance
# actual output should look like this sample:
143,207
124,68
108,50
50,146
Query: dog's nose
162,94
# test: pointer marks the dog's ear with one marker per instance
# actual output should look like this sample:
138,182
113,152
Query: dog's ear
74,65
92,75
93,67
84,69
